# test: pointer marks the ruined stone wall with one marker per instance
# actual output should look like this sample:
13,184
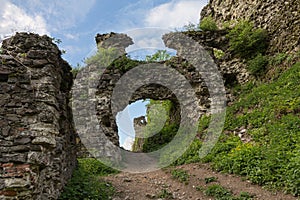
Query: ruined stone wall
139,125
37,152
112,74
280,17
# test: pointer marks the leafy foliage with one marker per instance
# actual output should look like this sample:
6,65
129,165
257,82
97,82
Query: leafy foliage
221,193
271,114
218,53
103,57
86,184
257,65
124,63
246,41
208,24
160,55
155,139
180,175
165,194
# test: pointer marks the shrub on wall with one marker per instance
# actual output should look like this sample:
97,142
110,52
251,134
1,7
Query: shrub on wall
246,41
208,24
257,65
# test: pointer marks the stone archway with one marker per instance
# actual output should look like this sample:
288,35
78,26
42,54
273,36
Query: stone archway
113,73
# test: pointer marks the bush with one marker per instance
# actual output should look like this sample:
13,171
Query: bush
208,24
257,65
246,41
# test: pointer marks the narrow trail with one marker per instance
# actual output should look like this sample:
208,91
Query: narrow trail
154,185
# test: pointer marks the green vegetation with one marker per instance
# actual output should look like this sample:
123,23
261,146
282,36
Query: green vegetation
156,139
210,179
103,57
221,193
271,114
123,63
181,175
278,59
218,53
246,41
208,24
257,65
165,194
86,182
160,55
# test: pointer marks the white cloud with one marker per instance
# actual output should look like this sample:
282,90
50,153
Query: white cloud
146,38
60,14
13,18
175,14
128,143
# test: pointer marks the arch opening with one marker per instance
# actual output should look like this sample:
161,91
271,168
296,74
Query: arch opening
147,125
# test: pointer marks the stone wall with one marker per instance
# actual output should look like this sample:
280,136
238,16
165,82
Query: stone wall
280,17
112,74
139,125
37,152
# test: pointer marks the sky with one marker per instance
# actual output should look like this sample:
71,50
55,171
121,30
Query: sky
76,22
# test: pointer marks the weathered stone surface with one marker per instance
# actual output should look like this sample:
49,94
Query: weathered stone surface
280,17
36,133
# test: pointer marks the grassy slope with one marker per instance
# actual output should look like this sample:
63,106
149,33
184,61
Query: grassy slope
271,115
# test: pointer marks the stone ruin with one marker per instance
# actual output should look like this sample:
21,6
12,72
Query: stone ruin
37,137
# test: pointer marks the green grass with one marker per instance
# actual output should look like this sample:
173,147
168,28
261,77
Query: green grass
271,115
221,193
86,183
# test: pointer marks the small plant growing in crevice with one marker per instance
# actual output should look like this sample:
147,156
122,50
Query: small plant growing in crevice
278,59
247,41
219,54
257,65
208,24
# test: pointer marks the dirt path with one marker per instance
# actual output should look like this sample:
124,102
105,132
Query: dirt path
158,184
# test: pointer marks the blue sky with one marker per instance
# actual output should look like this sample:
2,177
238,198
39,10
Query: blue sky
76,22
